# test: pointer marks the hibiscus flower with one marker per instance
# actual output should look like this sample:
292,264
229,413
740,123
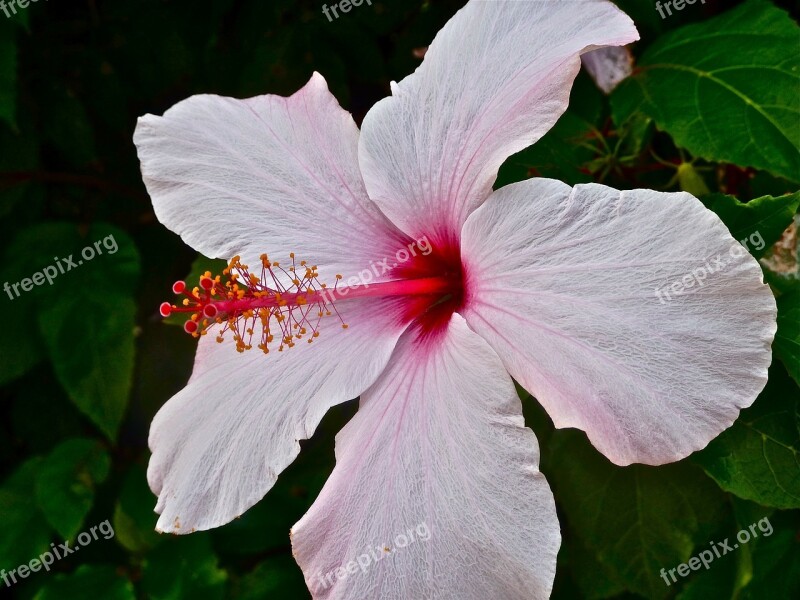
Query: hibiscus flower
548,284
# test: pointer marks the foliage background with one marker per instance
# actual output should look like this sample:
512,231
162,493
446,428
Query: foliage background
86,362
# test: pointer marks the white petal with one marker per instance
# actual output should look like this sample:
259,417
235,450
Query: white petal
220,443
608,66
267,174
439,452
495,79
562,284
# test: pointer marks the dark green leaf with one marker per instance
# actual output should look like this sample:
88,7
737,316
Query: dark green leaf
134,518
758,457
183,567
726,89
65,487
25,531
88,581
638,519
759,223
20,343
562,153
85,312
93,357
775,559
278,577
787,339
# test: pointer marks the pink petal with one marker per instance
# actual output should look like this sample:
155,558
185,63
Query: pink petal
562,284
495,79
439,445
219,444
267,174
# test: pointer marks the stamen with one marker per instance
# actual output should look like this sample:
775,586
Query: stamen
251,305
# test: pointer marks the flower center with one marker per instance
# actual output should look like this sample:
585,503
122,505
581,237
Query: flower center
431,311
290,302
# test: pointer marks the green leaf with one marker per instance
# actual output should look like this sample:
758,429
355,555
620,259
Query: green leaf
183,567
66,483
277,577
134,519
93,357
562,154
638,519
594,579
758,457
775,560
759,223
718,581
88,581
25,531
20,344
787,339
726,89
727,574
85,313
